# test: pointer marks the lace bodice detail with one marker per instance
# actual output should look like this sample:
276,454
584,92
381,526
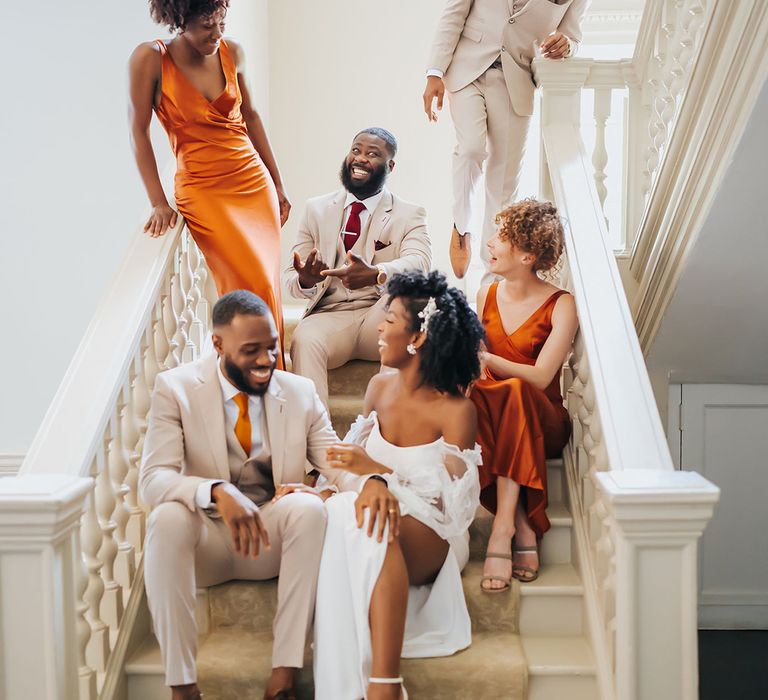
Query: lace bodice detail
437,483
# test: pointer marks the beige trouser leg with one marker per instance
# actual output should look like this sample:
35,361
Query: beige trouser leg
328,339
488,131
185,550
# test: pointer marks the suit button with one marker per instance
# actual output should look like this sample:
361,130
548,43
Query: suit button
503,48
511,20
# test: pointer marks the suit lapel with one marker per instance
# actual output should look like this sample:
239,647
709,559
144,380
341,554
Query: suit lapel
208,404
275,409
332,227
379,219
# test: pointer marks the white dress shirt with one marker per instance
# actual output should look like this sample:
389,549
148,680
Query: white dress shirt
231,413
370,204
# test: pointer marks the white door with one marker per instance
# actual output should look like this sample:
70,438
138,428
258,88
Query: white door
724,436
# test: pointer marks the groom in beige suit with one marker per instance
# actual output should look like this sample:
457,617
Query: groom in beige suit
482,56
220,445
350,243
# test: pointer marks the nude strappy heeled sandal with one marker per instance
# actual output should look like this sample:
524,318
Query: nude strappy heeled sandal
529,573
393,681
492,577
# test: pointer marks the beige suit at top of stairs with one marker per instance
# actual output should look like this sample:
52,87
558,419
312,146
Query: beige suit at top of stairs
530,643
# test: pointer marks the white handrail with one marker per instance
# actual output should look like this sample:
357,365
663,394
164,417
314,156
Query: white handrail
632,429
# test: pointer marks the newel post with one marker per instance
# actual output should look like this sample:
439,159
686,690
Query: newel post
40,567
657,518
561,83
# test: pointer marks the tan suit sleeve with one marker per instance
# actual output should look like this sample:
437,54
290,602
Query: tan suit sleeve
415,247
306,240
449,29
321,436
160,477
571,23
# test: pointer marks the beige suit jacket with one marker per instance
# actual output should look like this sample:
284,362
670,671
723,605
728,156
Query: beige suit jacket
186,440
397,238
472,34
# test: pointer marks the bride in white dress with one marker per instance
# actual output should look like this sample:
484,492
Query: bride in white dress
390,575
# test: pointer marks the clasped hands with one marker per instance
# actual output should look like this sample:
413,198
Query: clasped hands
355,273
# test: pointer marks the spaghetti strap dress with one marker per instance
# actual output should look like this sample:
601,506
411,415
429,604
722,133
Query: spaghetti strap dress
519,426
222,188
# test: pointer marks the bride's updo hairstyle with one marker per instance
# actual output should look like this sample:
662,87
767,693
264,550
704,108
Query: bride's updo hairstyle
449,355
175,14
533,227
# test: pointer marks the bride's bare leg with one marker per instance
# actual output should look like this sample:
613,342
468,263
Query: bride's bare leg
415,557
500,541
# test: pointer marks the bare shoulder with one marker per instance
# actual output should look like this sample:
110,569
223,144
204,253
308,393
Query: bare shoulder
565,305
482,295
459,421
236,49
146,56
377,385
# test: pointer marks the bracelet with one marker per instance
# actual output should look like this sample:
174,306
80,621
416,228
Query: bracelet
380,478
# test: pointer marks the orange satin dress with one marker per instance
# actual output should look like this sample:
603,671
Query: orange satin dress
519,426
223,189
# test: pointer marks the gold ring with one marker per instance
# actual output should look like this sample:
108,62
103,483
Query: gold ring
393,510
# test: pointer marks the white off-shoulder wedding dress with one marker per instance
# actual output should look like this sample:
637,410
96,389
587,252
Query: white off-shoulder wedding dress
437,484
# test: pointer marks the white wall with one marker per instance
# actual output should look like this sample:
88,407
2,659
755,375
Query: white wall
338,67
70,196
716,326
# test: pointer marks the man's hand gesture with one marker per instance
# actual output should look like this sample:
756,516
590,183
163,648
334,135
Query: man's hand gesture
435,90
555,46
242,517
355,273
309,271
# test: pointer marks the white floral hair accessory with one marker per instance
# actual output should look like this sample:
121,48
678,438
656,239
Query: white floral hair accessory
427,313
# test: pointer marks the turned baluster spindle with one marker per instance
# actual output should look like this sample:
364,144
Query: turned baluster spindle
178,299
119,466
86,675
131,433
197,302
112,601
169,326
203,310
97,651
192,347
602,111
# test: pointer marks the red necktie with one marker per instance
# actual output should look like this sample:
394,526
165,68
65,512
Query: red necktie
352,229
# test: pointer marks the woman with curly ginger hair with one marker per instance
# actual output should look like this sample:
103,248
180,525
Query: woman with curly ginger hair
228,186
529,326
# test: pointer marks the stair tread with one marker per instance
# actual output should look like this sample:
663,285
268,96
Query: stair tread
558,655
554,579
222,666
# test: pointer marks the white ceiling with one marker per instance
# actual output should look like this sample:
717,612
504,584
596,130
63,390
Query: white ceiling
716,328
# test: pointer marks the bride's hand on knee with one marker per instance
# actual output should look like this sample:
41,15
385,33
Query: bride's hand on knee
353,458
384,508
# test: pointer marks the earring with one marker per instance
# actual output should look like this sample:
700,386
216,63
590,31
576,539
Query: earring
411,349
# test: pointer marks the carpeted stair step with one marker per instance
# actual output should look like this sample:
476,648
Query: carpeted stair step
235,664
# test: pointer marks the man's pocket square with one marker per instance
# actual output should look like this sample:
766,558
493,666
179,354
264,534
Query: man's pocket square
380,246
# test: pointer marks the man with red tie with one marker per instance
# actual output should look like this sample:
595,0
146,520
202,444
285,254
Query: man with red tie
350,243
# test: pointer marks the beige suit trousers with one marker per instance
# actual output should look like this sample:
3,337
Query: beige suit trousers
328,339
185,550
490,133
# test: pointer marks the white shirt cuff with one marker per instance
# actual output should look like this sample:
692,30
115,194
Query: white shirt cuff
309,293
203,493
434,72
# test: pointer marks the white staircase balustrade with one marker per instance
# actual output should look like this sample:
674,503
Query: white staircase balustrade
618,452
155,316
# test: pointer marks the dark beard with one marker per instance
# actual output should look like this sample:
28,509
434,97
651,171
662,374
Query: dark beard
375,182
237,377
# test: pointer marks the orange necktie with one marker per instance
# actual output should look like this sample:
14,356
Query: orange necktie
243,424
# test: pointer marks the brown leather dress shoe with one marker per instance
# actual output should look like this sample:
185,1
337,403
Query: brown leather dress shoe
461,252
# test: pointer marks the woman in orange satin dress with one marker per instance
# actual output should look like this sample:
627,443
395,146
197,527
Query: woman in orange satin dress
228,185
529,326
